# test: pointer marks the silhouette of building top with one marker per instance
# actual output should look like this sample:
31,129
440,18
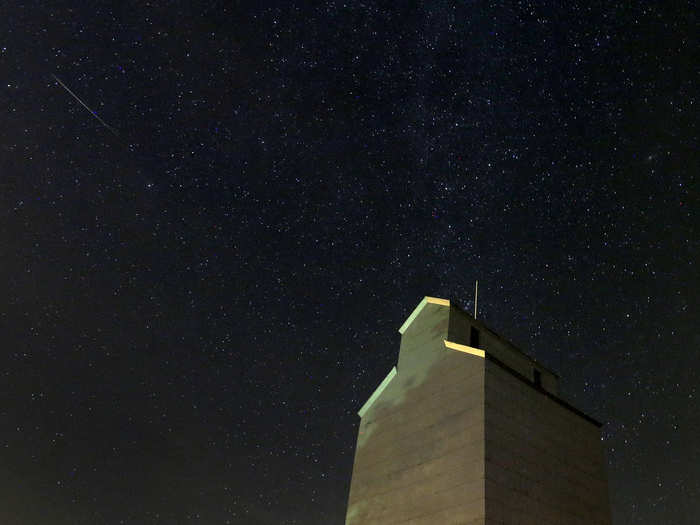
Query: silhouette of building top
468,429
469,335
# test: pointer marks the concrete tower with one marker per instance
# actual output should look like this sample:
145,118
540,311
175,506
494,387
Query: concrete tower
468,430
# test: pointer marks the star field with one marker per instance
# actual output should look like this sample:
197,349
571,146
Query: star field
194,310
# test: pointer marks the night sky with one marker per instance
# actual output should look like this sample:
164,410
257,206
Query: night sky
196,302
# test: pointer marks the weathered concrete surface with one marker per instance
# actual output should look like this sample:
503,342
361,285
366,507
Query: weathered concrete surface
420,448
459,439
544,463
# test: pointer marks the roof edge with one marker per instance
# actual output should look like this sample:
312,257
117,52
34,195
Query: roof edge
378,392
464,348
541,390
482,325
418,309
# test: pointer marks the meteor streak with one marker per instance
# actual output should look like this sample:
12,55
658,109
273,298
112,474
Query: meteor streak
110,128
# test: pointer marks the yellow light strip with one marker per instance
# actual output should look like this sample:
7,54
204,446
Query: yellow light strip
464,348
437,300
417,310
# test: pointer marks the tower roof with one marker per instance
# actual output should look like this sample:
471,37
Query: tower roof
457,328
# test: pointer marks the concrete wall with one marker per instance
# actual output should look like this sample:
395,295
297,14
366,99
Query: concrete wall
460,439
420,450
460,326
544,463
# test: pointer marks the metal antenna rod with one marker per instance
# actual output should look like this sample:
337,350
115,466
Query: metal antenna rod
476,297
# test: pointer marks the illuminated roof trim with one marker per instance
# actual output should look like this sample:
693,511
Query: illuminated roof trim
464,348
377,392
419,308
